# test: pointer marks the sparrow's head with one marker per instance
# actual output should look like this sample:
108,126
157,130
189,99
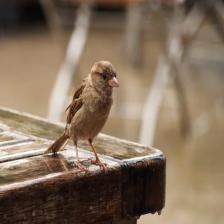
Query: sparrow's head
104,75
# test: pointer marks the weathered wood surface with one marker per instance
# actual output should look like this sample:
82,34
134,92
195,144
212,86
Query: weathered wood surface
37,188
111,146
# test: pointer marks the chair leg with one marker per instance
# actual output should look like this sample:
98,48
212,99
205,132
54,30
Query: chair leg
73,54
134,34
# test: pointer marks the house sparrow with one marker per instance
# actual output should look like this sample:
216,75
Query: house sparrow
89,109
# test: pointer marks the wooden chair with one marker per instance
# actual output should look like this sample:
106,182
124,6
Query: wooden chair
183,29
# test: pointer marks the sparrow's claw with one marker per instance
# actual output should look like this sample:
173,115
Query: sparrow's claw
99,163
54,153
81,167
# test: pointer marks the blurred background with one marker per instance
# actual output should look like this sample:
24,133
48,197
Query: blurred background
169,56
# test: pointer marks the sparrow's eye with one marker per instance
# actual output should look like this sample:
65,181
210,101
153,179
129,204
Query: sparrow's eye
104,76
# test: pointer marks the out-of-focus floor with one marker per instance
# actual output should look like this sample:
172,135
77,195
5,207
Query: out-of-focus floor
29,62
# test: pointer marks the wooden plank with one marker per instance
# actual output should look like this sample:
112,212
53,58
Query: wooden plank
63,198
14,145
143,184
37,185
4,137
42,128
8,139
22,150
40,166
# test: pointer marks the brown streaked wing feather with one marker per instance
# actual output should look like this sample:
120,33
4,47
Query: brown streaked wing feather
77,94
73,108
76,103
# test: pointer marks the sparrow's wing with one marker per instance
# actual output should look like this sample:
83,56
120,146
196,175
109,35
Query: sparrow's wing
75,104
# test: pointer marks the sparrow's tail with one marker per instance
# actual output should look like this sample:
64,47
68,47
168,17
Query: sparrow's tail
58,145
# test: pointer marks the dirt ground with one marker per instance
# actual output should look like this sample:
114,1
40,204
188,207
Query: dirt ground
29,61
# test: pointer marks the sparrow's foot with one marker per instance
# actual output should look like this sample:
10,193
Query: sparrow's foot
54,153
99,163
81,167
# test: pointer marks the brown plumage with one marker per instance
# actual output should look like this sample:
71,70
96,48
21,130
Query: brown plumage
89,109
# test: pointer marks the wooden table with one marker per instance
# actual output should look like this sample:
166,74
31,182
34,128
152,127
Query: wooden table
37,188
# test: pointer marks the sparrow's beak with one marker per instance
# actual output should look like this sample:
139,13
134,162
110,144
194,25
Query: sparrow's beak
113,82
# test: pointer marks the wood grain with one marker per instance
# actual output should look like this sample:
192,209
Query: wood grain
39,127
67,198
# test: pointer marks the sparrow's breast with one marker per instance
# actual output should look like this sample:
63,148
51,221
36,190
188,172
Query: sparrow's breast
90,119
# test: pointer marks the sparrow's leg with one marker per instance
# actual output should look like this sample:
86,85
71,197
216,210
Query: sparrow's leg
97,160
78,163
